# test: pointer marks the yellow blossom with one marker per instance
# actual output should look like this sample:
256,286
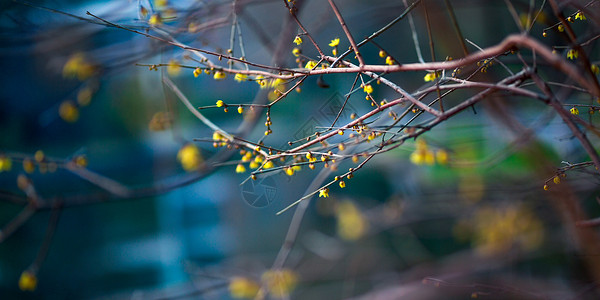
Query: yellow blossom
39,156
220,103
280,283
556,180
422,155
240,109
572,54
524,20
28,166
161,4
441,157
192,27
297,40
247,157
27,281
431,76
351,224
81,161
368,89
84,96
324,192
197,72
218,136
261,81
240,77
173,68
155,20
389,60
240,168
68,111
219,75
342,184
190,157
595,69
268,165
289,171
382,54
273,95
580,16
5,163
276,83
243,288
334,42
78,66
497,230
574,110
561,28
296,52
253,165
311,64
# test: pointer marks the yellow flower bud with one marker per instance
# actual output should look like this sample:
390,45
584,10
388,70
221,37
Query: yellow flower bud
27,281
243,288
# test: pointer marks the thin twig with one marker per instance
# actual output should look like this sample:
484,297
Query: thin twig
337,13
18,221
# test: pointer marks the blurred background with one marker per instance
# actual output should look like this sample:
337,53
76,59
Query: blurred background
480,225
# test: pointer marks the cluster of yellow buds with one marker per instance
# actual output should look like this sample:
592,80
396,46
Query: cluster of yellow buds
555,180
79,66
423,155
39,159
561,28
219,140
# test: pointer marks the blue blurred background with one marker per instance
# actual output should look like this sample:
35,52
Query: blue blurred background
192,239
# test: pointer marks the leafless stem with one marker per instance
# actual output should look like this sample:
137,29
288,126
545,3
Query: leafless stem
361,61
